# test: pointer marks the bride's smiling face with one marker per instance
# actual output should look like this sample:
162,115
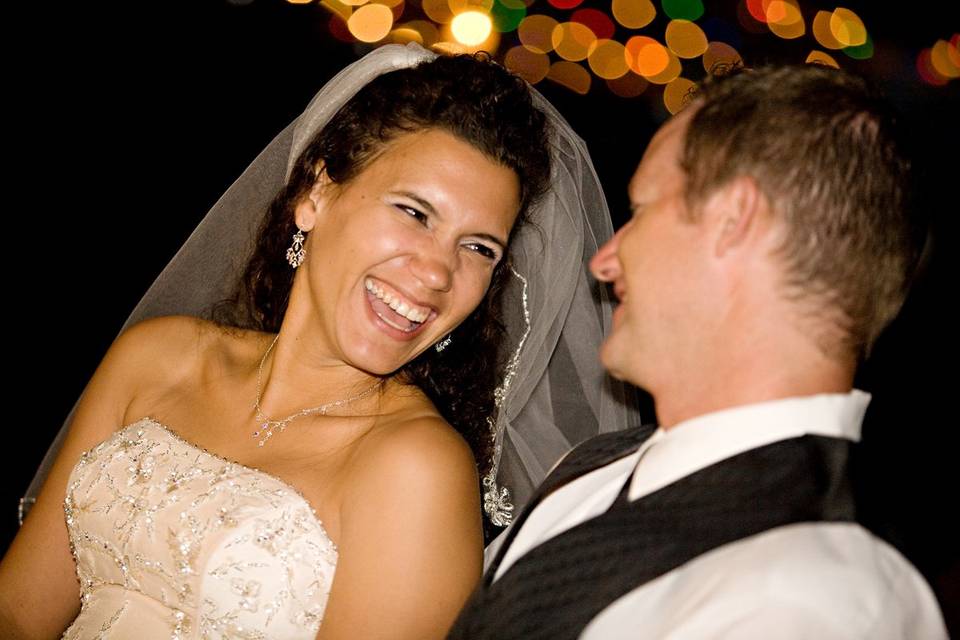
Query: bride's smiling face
403,252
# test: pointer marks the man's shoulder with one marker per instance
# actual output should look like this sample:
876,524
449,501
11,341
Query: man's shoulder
827,578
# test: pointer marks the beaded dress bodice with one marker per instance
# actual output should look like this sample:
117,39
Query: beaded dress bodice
172,541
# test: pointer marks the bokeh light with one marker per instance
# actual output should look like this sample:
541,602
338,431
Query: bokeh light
751,17
677,94
371,22
628,86
403,35
670,73
354,3
686,39
720,54
819,57
565,4
450,48
339,29
634,14
507,14
303,1
861,52
784,19
396,6
471,27
536,33
927,71
339,8
683,9
572,40
437,10
596,20
429,34
646,56
944,58
758,9
608,59
822,31
459,6
571,75
847,28
529,65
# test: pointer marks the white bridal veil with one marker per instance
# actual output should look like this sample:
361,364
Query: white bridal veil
555,392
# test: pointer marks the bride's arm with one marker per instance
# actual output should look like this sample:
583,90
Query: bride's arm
411,545
39,593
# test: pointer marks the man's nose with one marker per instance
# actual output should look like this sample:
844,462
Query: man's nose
605,265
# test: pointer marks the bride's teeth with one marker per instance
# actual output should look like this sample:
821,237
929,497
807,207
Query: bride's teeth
396,303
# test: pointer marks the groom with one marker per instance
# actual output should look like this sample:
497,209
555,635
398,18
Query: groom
771,242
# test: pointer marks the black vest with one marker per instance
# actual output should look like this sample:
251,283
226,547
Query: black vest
558,587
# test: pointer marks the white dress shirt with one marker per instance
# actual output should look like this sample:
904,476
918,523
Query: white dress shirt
807,580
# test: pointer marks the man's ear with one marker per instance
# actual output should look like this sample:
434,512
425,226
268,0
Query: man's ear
739,209
313,204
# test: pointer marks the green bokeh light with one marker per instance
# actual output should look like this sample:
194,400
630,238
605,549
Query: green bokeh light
861,52
508,14
683,9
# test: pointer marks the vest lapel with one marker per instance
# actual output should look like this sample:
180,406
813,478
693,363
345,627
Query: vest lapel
582,459
559,586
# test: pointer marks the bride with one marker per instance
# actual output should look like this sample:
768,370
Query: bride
287,468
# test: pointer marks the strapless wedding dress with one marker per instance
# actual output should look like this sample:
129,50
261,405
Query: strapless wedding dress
172,541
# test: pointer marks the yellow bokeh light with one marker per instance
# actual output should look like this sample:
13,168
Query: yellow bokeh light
529,65
686,39
953,51
942,61
847,28
338,7
628,86
819,57
572,40
459,6
536,33
437,10
403,35
371,22
634,14
303,1
451,48
670,72
784,19
676,95
571,75
427,31
822,31
608,59
354,3
722,54
646,56
471,27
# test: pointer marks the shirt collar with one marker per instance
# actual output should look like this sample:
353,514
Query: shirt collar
699,442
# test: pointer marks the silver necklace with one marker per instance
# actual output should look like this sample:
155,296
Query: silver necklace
268,426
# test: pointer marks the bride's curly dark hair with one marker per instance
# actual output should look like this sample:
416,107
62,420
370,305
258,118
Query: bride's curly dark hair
481,103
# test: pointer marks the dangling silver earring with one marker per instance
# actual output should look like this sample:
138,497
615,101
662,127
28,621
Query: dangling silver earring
296,253
443,344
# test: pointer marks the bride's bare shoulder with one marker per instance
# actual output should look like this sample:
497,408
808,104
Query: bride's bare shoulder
167,350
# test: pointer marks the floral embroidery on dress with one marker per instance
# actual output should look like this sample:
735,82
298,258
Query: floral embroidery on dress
178,542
